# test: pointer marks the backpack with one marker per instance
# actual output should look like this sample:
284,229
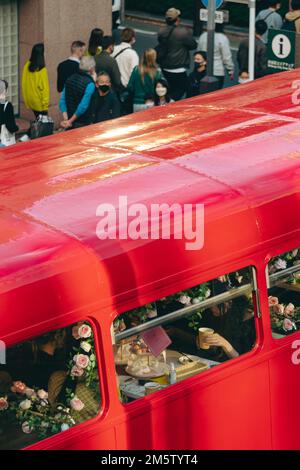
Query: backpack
162,48
290,25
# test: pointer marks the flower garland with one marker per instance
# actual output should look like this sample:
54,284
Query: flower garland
30,406
285,261
283,317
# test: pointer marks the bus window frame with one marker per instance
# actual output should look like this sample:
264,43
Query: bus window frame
256,299
80,427
284,339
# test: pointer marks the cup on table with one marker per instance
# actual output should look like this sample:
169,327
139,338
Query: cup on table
151,387
203,333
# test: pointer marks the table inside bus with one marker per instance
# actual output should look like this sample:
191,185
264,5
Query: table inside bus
134,388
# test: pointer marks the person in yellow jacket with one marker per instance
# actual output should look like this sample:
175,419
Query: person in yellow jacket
35,82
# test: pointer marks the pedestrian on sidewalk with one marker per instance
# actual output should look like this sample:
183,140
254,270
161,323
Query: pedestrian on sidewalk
95,42
71,65
222,54
75,101
126,57
260,53
197,75
177,41
292,18
271,16
35,84
142,80
106,63
8,126
105,103
162,93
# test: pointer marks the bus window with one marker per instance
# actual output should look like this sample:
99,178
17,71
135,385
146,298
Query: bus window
48,385
184,334
283,277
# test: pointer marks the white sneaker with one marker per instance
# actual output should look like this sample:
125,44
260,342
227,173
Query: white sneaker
24,138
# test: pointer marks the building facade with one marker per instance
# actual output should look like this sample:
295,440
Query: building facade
56,23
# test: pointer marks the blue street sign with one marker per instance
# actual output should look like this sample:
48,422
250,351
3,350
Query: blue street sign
217,2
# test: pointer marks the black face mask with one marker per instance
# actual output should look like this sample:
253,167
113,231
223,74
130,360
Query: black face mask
104,88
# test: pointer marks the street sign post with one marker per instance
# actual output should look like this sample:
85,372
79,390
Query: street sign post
218,3
221,16
283,47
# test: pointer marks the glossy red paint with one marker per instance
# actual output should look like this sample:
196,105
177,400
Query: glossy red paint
236,152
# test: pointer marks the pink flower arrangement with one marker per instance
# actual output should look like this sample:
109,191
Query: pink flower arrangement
81,360
77,371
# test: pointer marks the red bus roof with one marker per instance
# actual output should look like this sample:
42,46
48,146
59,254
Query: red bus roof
235,151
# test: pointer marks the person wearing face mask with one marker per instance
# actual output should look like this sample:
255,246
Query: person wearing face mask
199,72
105,104
244,77
162,91
8,124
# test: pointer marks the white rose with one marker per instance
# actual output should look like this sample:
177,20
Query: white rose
196,300
30,393
64,427
42,394
280,264
25,405
184,299
85,346
26,428
208,292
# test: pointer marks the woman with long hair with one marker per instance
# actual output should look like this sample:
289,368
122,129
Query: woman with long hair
162,93
35,82
143,79
95,42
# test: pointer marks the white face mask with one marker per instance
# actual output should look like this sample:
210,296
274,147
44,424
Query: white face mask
161,91
244,80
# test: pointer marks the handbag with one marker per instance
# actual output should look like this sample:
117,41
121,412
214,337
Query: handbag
7,138
42,127
162,48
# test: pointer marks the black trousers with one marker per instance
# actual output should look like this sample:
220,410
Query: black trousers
178,83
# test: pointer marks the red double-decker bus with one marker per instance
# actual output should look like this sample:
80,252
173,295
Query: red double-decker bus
91,326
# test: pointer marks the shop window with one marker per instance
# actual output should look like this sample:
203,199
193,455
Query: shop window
9,51
48,385
283,279
184,334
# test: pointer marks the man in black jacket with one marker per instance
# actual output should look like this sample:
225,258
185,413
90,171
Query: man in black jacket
71,65
179,42
261,60
105,104
75,101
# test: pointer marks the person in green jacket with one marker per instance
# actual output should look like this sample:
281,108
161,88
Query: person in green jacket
142,80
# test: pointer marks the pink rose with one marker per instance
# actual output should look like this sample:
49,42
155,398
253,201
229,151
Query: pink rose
76,404
185,299
75,332
3,404
77,371
288,325
296,262
273,301
18,387
85,331
289,310
42,394
279,309
280,264
81,360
